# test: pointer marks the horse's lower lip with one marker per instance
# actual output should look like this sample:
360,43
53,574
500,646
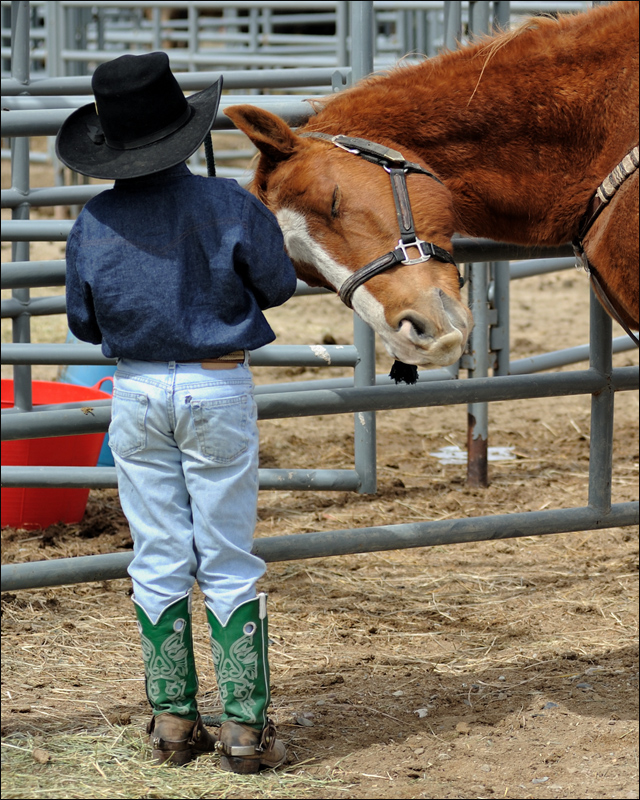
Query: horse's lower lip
431,352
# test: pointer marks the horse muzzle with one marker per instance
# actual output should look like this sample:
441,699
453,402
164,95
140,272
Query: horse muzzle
432,333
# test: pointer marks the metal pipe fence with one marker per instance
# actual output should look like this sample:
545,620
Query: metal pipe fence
490,266
68,35
82,569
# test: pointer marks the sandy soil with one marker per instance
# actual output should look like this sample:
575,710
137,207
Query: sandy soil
493,669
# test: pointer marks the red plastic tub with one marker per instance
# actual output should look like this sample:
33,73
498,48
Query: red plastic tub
38,508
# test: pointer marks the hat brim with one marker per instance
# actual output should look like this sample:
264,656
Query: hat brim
78,147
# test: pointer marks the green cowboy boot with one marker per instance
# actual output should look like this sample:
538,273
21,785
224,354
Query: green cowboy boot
176,731
247,736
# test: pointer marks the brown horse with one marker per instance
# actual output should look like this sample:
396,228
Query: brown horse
515,133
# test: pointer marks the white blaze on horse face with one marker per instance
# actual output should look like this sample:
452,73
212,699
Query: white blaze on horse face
303,248
403,343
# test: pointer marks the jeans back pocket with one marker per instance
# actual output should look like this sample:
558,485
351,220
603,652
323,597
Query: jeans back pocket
221,427
127,431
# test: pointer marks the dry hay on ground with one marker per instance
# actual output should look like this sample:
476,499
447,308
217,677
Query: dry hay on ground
458,671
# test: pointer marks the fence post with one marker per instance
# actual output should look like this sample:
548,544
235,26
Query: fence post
501,15
478,413
21,325
452,24
342,34
499,293
602,403
479,17
362,46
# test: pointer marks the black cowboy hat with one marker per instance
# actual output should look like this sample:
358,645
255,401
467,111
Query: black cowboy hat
140,123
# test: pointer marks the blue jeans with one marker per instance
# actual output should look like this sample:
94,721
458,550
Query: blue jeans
185,445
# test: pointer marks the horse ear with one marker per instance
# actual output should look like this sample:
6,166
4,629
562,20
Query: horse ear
270,134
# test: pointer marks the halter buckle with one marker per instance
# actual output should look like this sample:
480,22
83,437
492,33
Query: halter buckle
424,256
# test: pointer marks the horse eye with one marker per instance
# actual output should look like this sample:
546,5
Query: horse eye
335,202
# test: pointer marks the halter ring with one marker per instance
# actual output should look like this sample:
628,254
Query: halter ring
402,246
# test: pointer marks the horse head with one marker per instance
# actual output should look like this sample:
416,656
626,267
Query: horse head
337,213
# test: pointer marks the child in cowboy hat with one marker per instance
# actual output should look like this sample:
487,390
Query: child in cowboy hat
170,272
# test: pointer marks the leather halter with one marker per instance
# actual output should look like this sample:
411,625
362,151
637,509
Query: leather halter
601,198
398,167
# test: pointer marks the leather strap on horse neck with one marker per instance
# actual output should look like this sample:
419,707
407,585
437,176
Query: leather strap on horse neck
601,198
606,192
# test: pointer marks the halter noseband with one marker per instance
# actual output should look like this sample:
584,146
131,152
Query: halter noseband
398,167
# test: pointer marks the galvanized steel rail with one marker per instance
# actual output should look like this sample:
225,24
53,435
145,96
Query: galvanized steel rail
82,569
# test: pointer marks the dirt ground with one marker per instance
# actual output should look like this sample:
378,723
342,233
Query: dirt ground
497,669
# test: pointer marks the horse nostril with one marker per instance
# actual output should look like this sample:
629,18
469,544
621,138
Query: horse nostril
415,323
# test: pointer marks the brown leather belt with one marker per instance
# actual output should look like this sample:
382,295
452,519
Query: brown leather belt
227,361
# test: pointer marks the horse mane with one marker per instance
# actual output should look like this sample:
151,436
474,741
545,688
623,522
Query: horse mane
489,45
449,71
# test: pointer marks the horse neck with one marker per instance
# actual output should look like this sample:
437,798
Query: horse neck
515,127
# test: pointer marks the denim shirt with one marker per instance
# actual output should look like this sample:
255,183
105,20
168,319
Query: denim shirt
175,267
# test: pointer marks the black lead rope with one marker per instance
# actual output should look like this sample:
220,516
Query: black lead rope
398,167
208,152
